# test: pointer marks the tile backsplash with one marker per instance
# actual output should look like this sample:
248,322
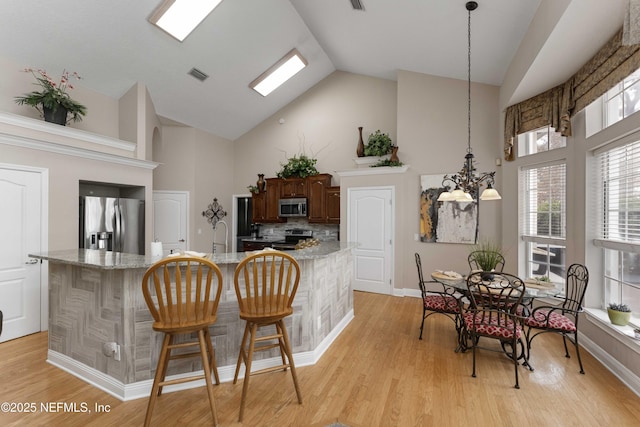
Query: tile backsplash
322,232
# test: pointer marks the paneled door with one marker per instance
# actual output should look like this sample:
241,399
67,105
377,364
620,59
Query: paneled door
170,220
370,224
20,228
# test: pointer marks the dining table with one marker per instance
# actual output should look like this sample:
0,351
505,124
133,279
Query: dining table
533,289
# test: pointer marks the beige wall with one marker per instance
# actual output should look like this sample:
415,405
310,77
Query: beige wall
426,117
322,123
65,172
200,163
102,111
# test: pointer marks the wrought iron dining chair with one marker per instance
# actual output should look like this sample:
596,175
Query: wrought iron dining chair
438,299
492,313
182,294
562,319
472,259
265,284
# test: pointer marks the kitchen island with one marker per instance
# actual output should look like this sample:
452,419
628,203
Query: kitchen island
95,298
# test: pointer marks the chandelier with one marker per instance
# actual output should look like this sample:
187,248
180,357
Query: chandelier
466,183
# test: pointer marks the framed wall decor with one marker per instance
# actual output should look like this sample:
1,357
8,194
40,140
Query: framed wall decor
445,222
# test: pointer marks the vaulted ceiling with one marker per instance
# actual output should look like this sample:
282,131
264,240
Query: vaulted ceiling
113,46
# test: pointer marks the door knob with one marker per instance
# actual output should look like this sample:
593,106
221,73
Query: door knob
181,240
31,261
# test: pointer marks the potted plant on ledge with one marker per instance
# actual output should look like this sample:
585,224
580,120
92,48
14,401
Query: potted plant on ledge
53,101
619,314
378,144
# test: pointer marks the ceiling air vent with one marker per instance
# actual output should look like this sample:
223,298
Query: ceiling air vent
357,5
194,72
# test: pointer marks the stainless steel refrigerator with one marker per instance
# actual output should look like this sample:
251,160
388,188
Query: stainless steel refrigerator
112,224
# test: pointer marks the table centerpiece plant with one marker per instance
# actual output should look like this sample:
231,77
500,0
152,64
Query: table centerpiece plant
487,255
53,100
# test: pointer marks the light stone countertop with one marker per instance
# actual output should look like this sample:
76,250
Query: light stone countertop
119,260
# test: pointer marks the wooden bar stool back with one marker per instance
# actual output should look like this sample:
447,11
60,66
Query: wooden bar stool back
182,294
266,284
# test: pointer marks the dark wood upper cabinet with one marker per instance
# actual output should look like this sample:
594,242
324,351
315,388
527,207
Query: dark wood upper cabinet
293,187
317,203
323,200
332,204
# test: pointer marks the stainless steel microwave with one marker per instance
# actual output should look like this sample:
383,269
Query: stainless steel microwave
292,207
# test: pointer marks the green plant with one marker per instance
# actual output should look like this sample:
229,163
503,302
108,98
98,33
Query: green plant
378,144
301,167
619,307
53,95
253,189
543,279
387,162
486,254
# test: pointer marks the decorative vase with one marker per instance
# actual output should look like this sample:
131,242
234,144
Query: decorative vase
620,318
360,149
394,154
261,183
59,116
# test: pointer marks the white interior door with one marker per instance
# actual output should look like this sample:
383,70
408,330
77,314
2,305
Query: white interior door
370,224
20,228
170,220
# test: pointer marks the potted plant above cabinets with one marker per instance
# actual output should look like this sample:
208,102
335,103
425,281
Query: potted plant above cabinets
299,167
619,314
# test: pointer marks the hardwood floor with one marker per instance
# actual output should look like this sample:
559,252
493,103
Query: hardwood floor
377,373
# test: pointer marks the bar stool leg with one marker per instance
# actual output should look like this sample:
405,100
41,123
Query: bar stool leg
241,356
247,372
159,377
207,373
287,347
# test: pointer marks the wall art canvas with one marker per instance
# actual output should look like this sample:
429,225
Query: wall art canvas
448,222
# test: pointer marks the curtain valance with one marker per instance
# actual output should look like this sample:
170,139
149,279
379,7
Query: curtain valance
556,106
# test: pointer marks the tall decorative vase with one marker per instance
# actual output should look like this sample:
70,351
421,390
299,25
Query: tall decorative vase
261,183
360,149
59,116
394,154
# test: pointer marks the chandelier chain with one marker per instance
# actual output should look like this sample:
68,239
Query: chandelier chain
469,84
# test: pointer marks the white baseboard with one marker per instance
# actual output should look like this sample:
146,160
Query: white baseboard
618,369
142,389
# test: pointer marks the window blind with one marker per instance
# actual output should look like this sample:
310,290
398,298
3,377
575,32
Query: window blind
619,190
544,201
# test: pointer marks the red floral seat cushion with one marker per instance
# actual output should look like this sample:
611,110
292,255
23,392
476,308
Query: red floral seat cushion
543,319
441,303
493,329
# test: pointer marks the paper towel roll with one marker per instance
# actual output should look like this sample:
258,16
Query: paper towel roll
156,248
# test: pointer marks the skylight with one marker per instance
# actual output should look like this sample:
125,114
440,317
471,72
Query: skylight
180,17
279,73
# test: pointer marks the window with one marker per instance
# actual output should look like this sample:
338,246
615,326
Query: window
619,223
622,100
539,140
543,226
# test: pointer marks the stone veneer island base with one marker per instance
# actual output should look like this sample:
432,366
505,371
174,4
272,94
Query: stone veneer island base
95,297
